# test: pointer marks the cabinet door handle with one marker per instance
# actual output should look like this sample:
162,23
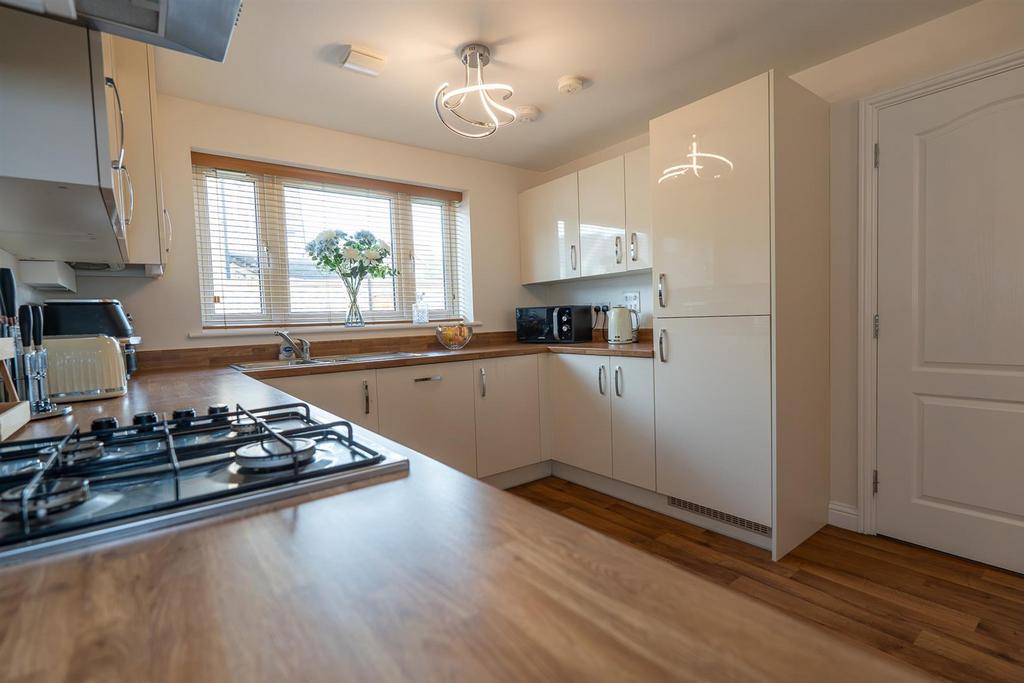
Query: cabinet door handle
661,289
618,249
661,347
366,397
131,196
632,247
168,227
435,378
110,83
600,379
618,380
572,255
483,383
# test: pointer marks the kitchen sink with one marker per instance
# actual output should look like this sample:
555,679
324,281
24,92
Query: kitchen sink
324,360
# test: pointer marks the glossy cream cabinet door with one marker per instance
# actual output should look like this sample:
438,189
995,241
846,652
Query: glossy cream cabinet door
507,414
549,231
633,421
637,176
712,234
429,408
713,413
349,395
603,218
579,416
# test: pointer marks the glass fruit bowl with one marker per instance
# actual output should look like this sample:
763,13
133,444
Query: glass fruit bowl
453,337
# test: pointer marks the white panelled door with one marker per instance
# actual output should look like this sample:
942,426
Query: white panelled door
951,307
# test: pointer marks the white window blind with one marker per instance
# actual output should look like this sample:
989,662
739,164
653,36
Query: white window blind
253,223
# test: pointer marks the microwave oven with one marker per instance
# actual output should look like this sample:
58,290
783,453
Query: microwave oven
554,324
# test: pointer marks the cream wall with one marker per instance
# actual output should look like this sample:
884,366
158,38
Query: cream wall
167,309
975,33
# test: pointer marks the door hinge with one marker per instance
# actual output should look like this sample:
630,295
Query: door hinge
874,327
876,155
874,482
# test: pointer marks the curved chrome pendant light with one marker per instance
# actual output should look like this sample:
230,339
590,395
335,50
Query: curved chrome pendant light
448,102
695,166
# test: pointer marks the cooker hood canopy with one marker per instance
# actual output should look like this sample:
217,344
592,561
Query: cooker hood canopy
197,27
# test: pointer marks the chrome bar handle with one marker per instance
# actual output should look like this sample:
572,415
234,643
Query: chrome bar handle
366,397
572,255
483,383
618,249
111,83
633,250
661,346
600,379
661,289
618,380
168,227
131,196
435,378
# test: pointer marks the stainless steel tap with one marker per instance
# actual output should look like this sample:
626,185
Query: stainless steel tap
299,344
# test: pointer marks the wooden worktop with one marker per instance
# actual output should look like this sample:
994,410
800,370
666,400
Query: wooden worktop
435,576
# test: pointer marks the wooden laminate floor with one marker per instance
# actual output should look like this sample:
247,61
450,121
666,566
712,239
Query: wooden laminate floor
956,619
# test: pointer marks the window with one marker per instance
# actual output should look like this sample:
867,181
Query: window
253,223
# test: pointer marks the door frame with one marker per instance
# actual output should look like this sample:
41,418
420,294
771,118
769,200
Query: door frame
867,254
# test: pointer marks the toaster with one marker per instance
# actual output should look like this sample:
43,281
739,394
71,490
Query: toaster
85,368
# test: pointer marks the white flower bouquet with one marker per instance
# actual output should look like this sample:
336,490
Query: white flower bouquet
353,258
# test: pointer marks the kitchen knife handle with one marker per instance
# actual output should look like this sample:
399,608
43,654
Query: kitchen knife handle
10,296
25,321
37,326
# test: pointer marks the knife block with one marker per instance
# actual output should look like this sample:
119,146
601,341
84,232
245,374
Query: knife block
13,414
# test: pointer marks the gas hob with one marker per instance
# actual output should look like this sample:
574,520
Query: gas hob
86,487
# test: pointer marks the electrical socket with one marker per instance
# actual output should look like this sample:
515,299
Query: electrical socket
631,300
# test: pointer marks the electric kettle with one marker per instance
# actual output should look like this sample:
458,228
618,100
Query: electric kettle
620,325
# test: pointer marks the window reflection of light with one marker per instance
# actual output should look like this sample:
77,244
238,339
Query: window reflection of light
694,156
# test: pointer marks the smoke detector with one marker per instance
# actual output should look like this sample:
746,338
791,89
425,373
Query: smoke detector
570,85
527,113
362,61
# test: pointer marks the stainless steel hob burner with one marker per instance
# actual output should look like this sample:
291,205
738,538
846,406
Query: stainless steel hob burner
116,480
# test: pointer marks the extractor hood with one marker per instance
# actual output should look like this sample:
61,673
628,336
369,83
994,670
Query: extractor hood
197,27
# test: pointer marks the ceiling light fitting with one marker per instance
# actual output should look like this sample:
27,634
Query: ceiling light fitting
448,102
695,165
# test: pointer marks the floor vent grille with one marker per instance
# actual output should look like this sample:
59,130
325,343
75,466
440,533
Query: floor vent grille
755,527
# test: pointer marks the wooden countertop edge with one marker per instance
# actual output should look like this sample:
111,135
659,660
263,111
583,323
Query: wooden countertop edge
639,350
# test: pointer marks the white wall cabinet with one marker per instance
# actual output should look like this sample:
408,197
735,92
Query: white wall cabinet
430,408
149,231
349,395
632,399
507,414
579,412
637,181
741,313
602,218
591,223
549,231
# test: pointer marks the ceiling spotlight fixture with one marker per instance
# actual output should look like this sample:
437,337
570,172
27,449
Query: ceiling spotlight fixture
697,164
452,103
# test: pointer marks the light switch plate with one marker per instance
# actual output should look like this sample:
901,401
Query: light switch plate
631,300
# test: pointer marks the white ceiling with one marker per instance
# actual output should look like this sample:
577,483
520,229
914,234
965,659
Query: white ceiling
644,58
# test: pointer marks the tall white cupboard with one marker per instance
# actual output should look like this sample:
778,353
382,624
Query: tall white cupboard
740,282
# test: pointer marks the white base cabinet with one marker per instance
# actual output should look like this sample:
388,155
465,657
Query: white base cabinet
430,408
632,400
507,414
713,411
580,412
349,395
600,416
